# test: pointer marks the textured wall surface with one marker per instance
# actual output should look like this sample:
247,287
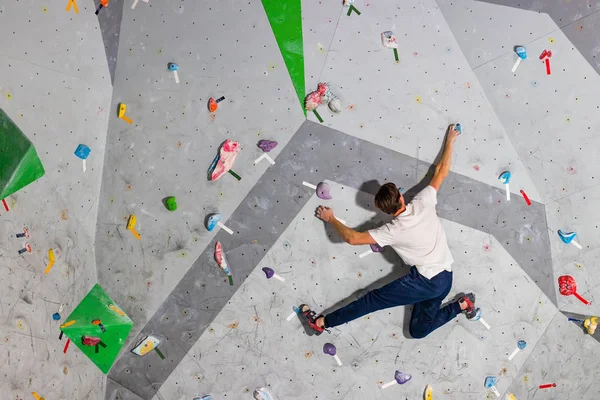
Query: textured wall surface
63,75
55,86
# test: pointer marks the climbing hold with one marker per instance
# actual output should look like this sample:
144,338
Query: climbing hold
171,203
590,324
490,383
99,323
82,151
315,99
271,274
103,3
388,39
458,128
27,249
521,344
546,54
25,234
215,220
222,262
122,111
400,378
428,394
213,104
375,248
174,68
329,348
90,340
525,197
267,145
56,316
522,53
323,191
224,160
568,287
505,179
335,105
262,394
146,345
131,226
568,238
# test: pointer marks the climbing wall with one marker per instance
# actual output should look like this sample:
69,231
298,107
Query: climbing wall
556,144
173,139
66,73
263,348
55,86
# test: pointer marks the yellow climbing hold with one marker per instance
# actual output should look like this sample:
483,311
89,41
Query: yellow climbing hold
20,324
8,96
511,397
44,9
551,40
418,99
590,324
428,395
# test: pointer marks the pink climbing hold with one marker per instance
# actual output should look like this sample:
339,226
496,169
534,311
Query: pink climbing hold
224,160
315,99
90,340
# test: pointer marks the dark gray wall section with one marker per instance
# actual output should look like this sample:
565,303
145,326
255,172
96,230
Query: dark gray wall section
316,153
110,19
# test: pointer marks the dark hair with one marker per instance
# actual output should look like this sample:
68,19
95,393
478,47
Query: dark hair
387,199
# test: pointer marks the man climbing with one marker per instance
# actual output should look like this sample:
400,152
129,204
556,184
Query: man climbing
417,235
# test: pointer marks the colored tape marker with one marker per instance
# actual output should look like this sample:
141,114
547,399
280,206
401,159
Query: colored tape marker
310,185
366,253
487,326
37,396
67,346
5,205
74,4
67,324
115,309
526,198
289,318
226,229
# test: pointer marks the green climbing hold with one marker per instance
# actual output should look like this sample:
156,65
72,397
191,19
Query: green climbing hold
19,162
285,17
171,203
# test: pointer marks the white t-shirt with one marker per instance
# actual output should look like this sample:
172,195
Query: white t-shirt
417,235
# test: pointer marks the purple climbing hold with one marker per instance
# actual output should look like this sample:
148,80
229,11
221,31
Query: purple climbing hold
269,272
329,348
402,378
375,248
267,145
323,191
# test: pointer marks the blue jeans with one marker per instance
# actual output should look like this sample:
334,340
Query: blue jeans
414,288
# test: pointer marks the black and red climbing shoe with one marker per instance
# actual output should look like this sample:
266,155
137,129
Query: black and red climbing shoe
310,318
470,311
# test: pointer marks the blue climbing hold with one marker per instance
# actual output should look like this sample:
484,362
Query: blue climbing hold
173,67
212,221
566,237
505,177
490,381
521,52
82,151
458,128
56,316
521,344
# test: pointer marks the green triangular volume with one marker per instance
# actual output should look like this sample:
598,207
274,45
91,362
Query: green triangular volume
19,162
285,17
95,305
